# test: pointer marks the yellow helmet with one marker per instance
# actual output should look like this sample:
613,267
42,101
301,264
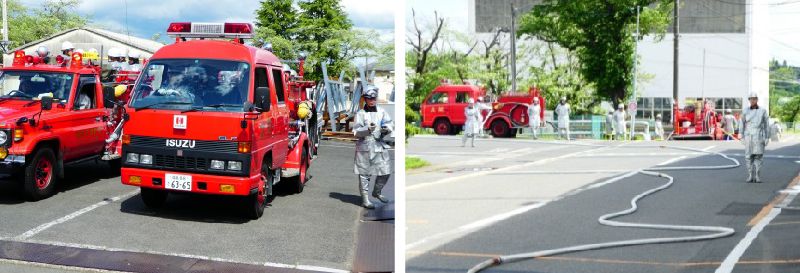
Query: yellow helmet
303,110
120,89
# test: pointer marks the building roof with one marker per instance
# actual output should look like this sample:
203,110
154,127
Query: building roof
142,44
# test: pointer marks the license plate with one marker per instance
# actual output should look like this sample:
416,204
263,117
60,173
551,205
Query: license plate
178,182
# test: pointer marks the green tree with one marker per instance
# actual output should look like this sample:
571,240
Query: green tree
276,20
320,23
601,34
26,24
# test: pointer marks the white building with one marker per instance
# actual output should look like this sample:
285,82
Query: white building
733,33
87,38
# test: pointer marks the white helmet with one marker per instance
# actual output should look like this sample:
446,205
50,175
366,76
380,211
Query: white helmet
621,106
728,111
471,101
133,54
752,95
116,52
66,46
535,99
42,51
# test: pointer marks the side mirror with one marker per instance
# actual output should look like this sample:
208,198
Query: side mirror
108,96
263,99
47,103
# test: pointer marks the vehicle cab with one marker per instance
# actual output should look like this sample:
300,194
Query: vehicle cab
443,109
208,117
50,115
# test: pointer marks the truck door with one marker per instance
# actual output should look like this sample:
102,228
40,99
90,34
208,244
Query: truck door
86,133
435,106
457,108
280,115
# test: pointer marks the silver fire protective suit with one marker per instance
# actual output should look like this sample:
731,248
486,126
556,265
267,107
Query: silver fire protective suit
562,110
372,153
619,124
756,137
534,118
473,124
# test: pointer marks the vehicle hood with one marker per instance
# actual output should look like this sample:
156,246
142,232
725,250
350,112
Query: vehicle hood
212,126
12,110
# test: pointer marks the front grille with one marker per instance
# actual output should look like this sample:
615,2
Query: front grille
200,145
190,163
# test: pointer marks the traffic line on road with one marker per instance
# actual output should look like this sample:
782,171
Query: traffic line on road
42,227
761,220
499,170
52,266
621,262
181,255
475,225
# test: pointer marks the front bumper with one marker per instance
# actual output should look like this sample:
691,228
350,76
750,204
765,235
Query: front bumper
12,164
201,183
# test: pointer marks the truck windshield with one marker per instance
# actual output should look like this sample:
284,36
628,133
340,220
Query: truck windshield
193,84
35,84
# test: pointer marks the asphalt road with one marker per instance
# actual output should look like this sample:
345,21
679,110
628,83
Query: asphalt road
509,196
314,230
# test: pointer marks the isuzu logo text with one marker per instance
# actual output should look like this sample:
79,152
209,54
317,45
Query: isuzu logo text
180,143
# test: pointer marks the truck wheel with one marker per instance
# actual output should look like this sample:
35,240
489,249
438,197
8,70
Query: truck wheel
299,182
41,175
115,165
500,128
255,203
442,127
154,198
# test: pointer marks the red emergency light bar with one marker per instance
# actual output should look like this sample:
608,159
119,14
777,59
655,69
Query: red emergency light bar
210,30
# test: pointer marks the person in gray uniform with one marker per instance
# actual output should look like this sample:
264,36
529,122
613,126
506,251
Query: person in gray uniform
372,157
755,131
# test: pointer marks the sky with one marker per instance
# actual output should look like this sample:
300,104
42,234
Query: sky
145,18
784,31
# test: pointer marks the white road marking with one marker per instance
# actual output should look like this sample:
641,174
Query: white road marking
737,252
499,170
57,267
733,257
562,172
671,160
475,225
201,257
42,227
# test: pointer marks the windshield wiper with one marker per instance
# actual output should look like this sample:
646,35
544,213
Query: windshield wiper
162,103
216,106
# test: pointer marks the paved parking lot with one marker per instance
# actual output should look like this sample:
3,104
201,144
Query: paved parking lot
315,230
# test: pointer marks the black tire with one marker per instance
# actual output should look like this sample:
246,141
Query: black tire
298,182
115,165
41,175
500,128
442,127
255,203
154,198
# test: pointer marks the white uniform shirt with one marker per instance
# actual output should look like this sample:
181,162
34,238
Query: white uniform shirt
562,110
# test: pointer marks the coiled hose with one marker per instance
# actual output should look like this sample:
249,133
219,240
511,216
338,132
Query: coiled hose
718,232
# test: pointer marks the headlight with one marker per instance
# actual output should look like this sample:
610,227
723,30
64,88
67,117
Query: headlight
146,159
218,164
3,138
133,158
235,165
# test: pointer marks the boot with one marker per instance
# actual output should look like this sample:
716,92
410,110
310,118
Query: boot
464,140
749,165
380,181
757,161
363,187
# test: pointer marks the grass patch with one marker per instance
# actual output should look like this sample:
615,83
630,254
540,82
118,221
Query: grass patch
415,163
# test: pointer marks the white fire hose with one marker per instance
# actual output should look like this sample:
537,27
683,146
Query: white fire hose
716,232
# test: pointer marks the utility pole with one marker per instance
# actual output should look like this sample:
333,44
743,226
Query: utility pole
635,61
513,50
675,55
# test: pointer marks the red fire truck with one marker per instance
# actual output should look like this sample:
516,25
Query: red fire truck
697,121
212,116
443,110
51,116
